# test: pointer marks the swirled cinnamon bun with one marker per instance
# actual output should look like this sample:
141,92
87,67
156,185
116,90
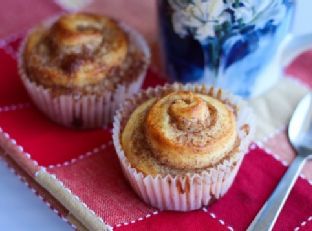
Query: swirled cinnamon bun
81,50
181,146
79,67
179,131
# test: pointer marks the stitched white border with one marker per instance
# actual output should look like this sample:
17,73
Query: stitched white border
278,158
12,141
83,156
137,220
213,215
89,154
273,134
284,163
303,223
7,138
23,180
61,184
271,153
4,135
103,147
20,149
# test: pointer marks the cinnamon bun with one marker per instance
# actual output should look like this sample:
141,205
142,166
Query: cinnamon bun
179,131
78,50
181,146
79,56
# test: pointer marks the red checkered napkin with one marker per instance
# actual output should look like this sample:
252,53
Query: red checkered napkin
81,171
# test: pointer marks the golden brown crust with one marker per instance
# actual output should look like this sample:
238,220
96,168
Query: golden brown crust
77,50
181,130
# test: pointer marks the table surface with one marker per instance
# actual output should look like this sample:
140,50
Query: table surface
16,199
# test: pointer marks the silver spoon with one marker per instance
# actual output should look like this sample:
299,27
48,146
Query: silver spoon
300,136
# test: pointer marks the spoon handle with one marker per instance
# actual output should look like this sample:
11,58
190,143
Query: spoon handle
267,216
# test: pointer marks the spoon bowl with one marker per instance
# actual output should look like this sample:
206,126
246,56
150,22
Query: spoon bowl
300,127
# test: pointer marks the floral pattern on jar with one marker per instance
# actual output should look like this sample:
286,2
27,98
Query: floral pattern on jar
223,42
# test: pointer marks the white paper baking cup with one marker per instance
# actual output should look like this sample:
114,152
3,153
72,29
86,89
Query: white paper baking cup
85,110
190,191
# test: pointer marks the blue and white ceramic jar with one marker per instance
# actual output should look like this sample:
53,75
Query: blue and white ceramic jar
228,43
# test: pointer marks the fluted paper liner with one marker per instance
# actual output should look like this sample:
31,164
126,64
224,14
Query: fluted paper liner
190,191
85,110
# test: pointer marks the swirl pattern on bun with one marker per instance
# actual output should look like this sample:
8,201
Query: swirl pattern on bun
182,131
188,130
77,50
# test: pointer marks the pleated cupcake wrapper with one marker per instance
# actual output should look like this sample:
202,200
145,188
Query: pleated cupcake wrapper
190,191
84,110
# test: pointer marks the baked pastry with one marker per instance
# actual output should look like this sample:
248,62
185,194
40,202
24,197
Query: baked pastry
181,142
86,62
